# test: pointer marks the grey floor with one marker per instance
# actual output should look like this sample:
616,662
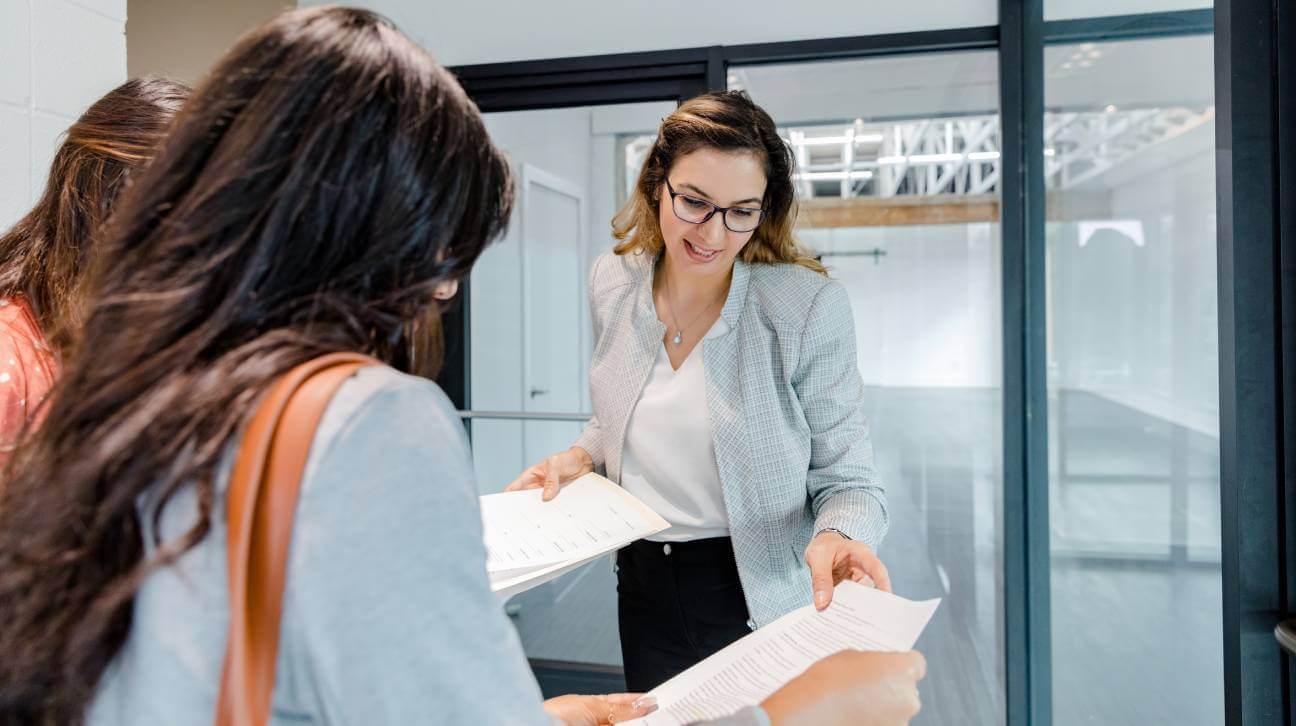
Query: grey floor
1135,576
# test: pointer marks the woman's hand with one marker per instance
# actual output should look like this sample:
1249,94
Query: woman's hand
597,710
833,558
851,688
554,472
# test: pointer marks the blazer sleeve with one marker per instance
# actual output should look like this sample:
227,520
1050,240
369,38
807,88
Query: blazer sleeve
590,438
843,485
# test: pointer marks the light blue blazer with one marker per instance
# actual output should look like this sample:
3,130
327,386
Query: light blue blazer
785,400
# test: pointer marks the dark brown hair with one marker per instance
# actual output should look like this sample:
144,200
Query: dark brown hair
312,194
726,121
45,258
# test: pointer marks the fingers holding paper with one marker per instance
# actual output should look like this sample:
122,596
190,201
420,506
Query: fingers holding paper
852,688
846,666
598,710
833,558
554,472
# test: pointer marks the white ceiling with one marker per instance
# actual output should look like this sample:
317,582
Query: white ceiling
493,31
1142,73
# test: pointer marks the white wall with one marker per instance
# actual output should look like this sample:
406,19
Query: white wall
926,312
181,39
1134,320
56,58
581,146
491,31
1137,323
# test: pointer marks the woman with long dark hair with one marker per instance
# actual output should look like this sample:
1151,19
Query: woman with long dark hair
321,192
45,258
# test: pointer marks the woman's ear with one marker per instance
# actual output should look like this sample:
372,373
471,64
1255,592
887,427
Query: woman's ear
446,290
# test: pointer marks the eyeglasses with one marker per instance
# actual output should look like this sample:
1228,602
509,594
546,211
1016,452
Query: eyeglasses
696,211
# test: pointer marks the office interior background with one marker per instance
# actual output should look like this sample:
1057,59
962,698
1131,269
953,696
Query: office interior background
1060,223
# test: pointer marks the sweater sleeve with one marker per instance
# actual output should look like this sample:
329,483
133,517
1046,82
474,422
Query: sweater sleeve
388,581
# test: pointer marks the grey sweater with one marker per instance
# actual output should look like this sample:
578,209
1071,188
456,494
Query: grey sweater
388,617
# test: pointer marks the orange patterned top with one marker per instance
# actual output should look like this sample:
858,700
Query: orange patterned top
27,370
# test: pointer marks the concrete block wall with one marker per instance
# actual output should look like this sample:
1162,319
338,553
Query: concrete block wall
56,58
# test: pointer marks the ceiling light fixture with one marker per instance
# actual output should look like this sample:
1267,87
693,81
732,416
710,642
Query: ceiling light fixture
934,158
833,175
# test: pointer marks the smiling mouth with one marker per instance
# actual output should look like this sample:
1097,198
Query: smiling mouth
699,252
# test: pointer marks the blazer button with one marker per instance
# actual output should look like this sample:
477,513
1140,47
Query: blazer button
751,624
666,549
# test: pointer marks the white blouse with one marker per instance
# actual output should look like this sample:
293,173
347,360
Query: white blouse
668,459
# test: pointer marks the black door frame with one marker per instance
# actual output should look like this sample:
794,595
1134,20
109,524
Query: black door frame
1249,277
1255,85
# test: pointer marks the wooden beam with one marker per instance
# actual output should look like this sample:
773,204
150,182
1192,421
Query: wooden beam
898,211
826,212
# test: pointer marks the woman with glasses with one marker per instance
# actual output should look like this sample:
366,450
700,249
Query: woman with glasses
726,396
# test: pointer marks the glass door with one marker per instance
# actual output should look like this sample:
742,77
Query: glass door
531,345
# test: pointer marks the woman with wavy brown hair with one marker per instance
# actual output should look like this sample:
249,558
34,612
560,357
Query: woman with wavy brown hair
322,192
726,396
46,258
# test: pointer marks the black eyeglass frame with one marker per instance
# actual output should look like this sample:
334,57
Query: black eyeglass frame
724,211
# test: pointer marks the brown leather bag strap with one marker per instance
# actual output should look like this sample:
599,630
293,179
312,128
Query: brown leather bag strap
260,504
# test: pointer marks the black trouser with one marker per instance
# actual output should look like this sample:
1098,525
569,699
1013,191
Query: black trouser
677,605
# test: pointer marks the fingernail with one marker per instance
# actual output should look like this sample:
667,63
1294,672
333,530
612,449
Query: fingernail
646,702
821,598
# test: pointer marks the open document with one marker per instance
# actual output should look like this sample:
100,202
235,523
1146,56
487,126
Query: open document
529,542
749,670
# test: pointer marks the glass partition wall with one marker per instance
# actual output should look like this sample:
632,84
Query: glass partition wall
898,144
897,167
1133,382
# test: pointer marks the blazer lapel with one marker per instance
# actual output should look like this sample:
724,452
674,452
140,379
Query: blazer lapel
724,398
638,353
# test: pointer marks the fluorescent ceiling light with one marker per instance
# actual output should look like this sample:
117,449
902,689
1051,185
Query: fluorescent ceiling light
891,160
822,140
834,175
829,140
934,158
983,156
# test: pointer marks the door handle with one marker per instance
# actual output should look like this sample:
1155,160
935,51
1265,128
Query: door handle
1285,633
538,392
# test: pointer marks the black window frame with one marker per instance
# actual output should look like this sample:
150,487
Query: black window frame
1256,178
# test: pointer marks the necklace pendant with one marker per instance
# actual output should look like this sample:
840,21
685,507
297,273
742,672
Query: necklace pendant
679,337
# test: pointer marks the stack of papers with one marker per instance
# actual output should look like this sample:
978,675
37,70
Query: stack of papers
529,542
751,669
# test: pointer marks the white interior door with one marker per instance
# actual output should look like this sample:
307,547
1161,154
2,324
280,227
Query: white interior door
552,245
529,338
496,380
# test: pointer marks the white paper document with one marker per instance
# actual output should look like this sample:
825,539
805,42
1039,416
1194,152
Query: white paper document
749,670
529,541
